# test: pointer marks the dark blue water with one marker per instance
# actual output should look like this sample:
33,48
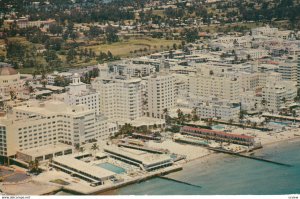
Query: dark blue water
231,176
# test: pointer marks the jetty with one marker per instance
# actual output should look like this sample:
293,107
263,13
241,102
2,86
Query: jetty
178,181
247,156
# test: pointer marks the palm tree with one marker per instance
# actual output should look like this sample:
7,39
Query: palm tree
30,89
264,102
77,147
188,117
166,112
12,95
33,166
30,165
294,115
126,129
242,114
167,116
82,149
180,116
36,165
194,114
95,147
248,122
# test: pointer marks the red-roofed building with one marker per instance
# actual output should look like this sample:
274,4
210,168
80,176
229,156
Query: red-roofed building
218,135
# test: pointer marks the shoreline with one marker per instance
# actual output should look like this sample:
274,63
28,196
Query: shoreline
270,144
204,162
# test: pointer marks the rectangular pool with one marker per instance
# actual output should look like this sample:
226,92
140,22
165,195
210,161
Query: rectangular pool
278,123
218,127
111,167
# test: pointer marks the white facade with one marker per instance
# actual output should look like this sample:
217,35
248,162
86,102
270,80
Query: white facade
222,111
133,70
119,97
221,86
78,93
278,94
288,71
160,92
39,124
10,81
266,31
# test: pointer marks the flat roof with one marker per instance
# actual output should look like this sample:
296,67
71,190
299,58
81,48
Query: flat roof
217,132
141,156
47,149
140,121
83,167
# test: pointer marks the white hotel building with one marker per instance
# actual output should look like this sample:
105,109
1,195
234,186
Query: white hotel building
219,110
10,81
78,93
119,97
279,94
133,70
39,124
209,84
160,94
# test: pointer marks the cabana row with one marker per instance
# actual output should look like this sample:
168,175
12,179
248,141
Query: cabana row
218,135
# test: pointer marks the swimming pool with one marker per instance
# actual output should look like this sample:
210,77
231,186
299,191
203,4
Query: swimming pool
111,167
218,127
278,123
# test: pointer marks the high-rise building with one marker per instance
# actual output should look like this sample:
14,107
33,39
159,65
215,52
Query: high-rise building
288,71
278,94
298,72
160,90
45,123
221,86
119,97
79,93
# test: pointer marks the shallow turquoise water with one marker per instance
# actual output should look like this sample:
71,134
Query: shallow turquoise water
232,175
111,167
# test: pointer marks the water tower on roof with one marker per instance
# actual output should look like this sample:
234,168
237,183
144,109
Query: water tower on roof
76,79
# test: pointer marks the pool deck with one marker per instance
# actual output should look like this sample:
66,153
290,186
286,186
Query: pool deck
41,185
88,190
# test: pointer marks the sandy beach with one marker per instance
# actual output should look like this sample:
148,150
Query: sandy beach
197,158
205,163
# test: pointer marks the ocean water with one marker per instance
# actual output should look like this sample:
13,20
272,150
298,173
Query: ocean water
230,175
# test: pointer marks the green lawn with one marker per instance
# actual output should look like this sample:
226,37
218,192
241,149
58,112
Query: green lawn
126,48
26,70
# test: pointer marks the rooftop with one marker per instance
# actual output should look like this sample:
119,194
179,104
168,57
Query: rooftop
140,156
83,167
7,70
217,132
47,149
